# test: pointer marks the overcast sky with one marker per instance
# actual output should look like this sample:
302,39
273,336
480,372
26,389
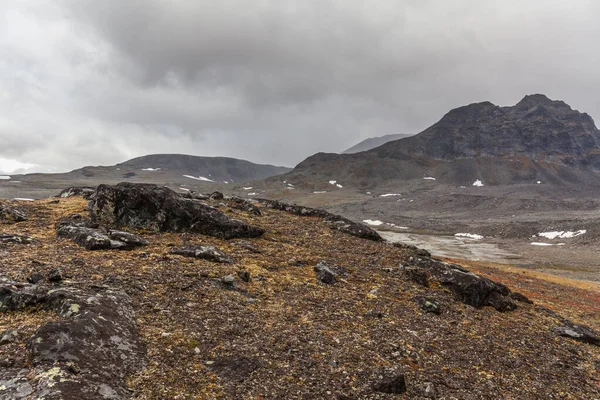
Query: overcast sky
96,82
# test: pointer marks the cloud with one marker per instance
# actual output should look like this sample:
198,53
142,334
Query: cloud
97,82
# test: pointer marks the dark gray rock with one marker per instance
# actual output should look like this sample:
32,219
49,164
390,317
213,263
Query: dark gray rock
417,275
325,274
129,239
243,204
96,336
248,246
428,390
17,239
12,214
580,333
228,280
84,191
390,381
429,305
55,275
9,336
161,209
35,278
216,196
244,275
520,297
210,253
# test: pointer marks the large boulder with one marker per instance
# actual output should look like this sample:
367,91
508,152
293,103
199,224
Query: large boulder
92,237
86,354
159,208
10,214
84,191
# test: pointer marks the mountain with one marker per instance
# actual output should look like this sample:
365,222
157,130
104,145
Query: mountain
373,142
538,139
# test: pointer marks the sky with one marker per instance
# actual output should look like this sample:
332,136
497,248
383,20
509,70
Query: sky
88,82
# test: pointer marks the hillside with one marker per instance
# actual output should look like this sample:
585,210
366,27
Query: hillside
373,142
279,308
538,139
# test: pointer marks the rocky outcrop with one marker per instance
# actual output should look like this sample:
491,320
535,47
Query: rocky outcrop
85,354
336,222
92,237
18,239
84,191
468,287
12,215
210,253
159,208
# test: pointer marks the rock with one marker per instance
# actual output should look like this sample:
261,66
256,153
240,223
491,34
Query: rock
35,278
9,336
192,194
580,333
417,275
428,391
12,214
520,297
325,274
84,191
470,288
248,246
210,253
429,305
129,239
55,275
234,368
334,221
18,239
228,280
159,208
216,196
390,381
244,275
243,204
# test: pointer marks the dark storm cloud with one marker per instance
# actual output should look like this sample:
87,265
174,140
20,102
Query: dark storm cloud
272,81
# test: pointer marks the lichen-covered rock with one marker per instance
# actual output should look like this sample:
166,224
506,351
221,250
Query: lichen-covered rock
18,239
580,333
86,354
210,253
84,191
129,239
336,222
161,209
390,381
325,274
12,215
429,305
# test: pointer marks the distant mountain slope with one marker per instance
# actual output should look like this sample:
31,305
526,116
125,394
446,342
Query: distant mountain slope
537,139
373,142
164,169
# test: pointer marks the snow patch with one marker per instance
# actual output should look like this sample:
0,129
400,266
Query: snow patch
252,194
332,182
338,185
478,183
541,244
22,199
562,234
320,191
538,182
429,178
390,195
468,236
200,178
372,222
184,189
4,177
247,188
150,169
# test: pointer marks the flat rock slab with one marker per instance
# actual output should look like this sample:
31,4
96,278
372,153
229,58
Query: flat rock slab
86,354
10,214
161,209
18,239
210,253
83,233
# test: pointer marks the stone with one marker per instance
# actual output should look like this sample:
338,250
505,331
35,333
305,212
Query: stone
417,275
130,240
55,275
428,391
147,206
234,368
248,246
580,333
244,275
216,196
228,280
325,274
520,297
17,239
210,253
84,191
429,305
243,204
9,336
35,278
390,381
12,214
